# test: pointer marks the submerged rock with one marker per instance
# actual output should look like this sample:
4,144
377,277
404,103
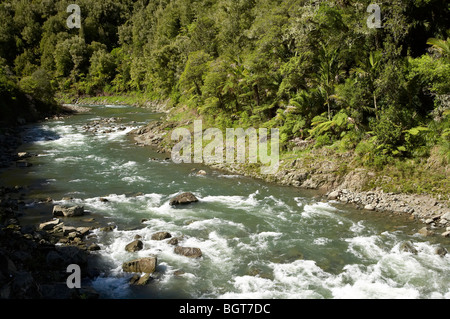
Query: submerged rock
424,231
23,163
183,199
408,247
441,251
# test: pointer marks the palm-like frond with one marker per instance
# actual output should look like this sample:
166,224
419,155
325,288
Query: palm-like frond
443,46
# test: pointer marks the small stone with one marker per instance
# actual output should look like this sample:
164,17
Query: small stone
333,195
68,229
94,247
424,231
83,230
178,272
369,207
73,235
107,228
441,251
407,246
23,155
173,241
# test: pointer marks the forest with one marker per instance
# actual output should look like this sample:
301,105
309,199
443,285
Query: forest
313,69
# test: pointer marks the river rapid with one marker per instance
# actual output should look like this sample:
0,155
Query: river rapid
258,240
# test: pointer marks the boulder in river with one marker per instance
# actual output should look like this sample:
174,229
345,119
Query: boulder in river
142,265
408,247
134,246
62,211
161,236
188,252
174,241
183,199
424,231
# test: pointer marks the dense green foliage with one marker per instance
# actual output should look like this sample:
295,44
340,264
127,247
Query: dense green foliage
311,68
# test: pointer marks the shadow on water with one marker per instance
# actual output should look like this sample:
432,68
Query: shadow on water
39,133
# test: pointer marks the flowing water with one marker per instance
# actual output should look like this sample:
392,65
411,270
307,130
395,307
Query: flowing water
258,240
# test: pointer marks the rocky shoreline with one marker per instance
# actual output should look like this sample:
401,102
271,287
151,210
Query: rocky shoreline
34,258
325,177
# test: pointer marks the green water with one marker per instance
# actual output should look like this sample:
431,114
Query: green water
258,240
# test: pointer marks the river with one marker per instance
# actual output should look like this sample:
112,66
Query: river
258,240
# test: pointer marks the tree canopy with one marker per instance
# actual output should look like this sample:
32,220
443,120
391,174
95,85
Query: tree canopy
315,69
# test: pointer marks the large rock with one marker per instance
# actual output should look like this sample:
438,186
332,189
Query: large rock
188,252
183,199
61,211
134,246
49,225
161,236
142,265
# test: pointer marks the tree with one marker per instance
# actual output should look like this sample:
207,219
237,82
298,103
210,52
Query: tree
368,68
102,70
192,78
328,73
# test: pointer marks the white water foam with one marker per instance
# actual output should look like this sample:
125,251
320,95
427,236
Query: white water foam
233,201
